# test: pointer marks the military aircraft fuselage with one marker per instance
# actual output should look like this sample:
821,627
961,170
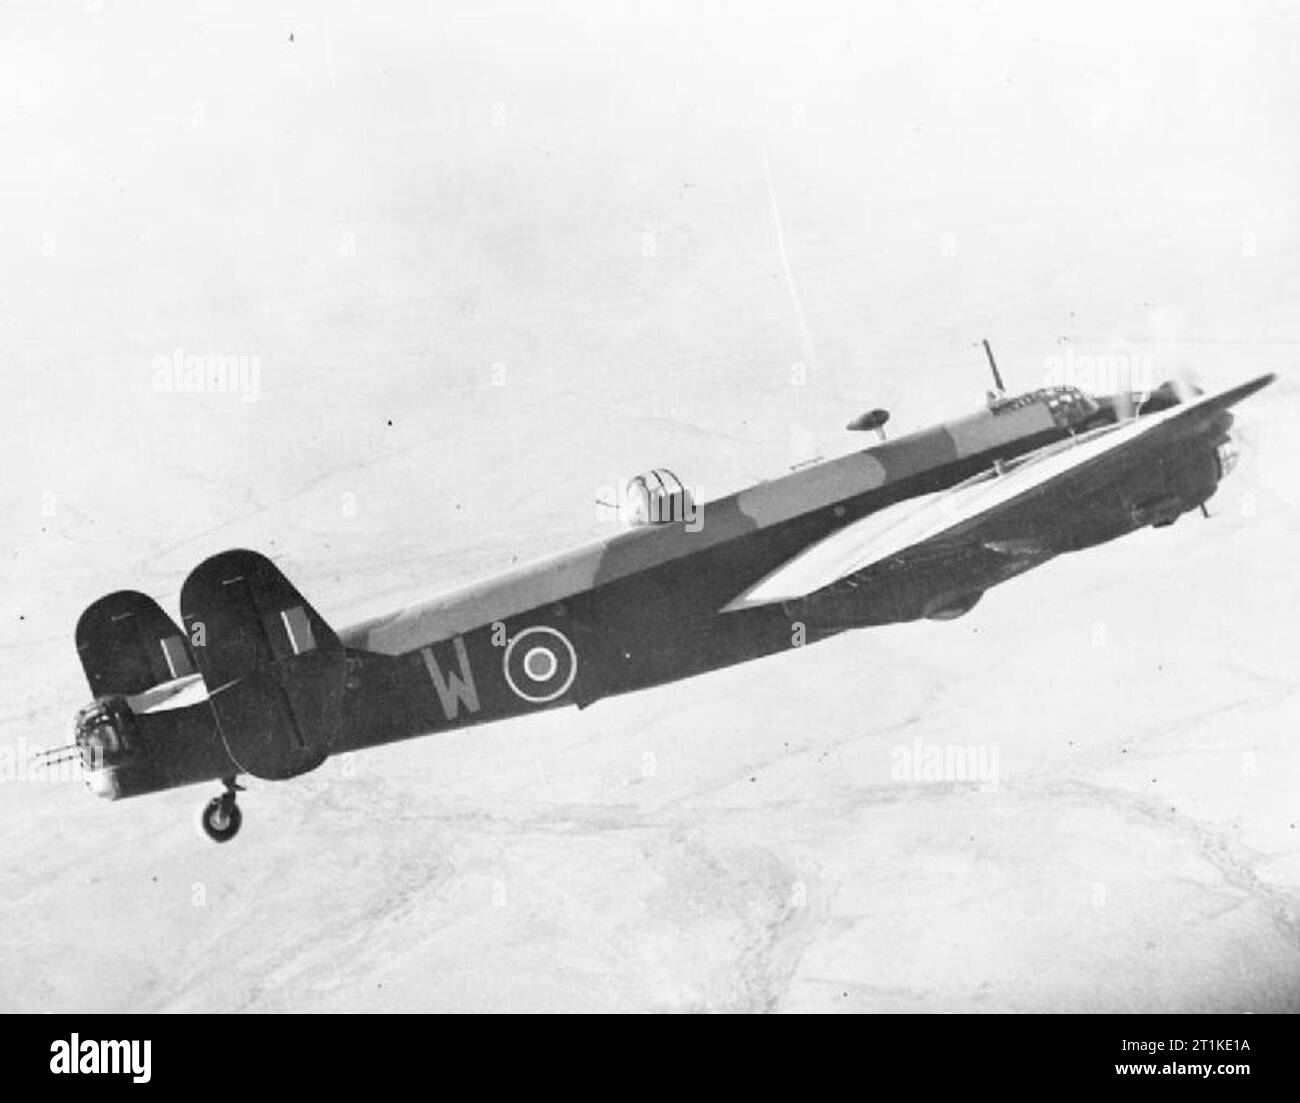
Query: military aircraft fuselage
642,607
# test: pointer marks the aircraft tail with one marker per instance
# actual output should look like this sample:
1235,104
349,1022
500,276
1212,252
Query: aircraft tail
127,645
275,670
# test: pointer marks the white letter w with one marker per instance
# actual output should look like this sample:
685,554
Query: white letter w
458,687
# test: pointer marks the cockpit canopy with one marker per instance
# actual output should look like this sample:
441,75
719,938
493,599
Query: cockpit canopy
1068,405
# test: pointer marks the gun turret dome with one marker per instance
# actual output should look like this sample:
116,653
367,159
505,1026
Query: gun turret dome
656,497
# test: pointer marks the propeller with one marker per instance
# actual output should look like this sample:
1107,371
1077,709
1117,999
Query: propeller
1184,386
1178,389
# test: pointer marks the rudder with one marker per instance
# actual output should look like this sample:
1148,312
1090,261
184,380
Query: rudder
127,644
275,670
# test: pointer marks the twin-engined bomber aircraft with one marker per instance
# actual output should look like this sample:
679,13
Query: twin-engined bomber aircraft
919,526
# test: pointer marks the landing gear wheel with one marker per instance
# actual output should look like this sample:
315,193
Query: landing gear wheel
222,817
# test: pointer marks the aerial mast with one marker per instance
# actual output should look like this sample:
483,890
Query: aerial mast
993,364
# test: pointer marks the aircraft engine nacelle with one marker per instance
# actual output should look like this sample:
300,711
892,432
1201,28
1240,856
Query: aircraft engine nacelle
1226,456
1154,496
1186,482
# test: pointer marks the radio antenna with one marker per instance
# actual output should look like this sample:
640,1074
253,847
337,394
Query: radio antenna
993,364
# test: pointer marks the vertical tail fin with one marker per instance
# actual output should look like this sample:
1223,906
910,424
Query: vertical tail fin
275,671
127,645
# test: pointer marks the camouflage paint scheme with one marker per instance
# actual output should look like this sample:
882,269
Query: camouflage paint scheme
640,608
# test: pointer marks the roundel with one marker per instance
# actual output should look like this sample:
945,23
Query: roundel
540,664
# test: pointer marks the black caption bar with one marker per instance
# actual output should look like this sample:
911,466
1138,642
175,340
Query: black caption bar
1234,1054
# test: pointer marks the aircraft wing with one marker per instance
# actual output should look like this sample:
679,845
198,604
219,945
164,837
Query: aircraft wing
979,509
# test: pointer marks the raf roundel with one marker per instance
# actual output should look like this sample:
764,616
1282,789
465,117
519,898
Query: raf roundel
540,664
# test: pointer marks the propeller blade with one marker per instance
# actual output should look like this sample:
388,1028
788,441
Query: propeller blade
1184,386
